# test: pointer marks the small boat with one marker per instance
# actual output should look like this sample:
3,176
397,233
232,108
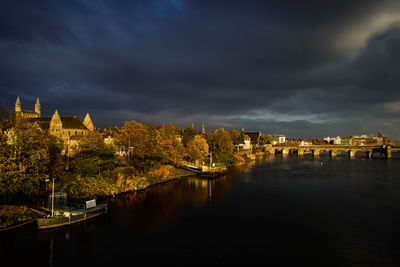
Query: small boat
192,168
71,217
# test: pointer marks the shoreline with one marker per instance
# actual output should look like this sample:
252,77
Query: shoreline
16,215
19,217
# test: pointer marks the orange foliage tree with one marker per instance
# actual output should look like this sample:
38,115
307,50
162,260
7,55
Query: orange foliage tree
197,148
144,142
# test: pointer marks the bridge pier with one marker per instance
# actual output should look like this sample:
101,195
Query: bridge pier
271,150
353,153
316,152
388,152
285,151
333,153
300,152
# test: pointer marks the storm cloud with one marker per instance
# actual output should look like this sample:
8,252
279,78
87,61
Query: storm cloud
306,68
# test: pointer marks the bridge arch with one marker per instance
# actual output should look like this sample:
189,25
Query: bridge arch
341,153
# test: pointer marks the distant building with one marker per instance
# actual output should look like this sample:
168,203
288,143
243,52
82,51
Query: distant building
246,145
254,136
395,143
334,140
251,140
305,143
203,129
278,139
362,140
281,139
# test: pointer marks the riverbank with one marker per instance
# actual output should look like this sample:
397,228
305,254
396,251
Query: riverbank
121,180
13,215
118,181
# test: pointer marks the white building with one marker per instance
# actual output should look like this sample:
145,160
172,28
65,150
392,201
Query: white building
281,139
246,143
334,140
306,143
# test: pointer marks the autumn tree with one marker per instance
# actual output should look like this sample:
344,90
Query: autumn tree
144,142
188,134
197,148
234,135
171,146
221,145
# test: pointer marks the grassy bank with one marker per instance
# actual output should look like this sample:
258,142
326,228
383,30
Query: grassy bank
119,180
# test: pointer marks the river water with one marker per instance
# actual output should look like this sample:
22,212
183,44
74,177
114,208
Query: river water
279,211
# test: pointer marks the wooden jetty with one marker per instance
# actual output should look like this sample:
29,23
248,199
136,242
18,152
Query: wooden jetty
206,171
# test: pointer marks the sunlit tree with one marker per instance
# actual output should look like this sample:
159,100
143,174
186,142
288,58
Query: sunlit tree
172,147
188,134
144,143
234,135
197,148
221,145
27,156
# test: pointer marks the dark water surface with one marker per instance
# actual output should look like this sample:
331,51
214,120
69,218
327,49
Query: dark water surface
279,211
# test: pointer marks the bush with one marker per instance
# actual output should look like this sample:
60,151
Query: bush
238,159
164,172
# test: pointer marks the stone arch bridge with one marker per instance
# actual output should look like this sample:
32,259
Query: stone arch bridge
333,150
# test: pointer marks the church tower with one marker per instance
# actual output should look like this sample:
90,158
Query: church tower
88,122
18,107
38,107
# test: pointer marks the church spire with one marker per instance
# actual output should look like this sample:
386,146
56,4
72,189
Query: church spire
18,107
38,107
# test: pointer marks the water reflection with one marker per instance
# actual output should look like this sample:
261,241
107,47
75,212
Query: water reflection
295,211
149,211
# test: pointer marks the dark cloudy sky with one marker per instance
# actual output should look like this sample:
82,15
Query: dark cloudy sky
301,68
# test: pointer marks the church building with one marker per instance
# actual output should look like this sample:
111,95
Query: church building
27,114
63,127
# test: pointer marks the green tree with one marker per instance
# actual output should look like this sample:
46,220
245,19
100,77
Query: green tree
6,119
27,156
94,155
88,161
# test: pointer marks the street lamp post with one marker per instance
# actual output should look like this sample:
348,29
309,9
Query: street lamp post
52,201
52,196
210,160
129,145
